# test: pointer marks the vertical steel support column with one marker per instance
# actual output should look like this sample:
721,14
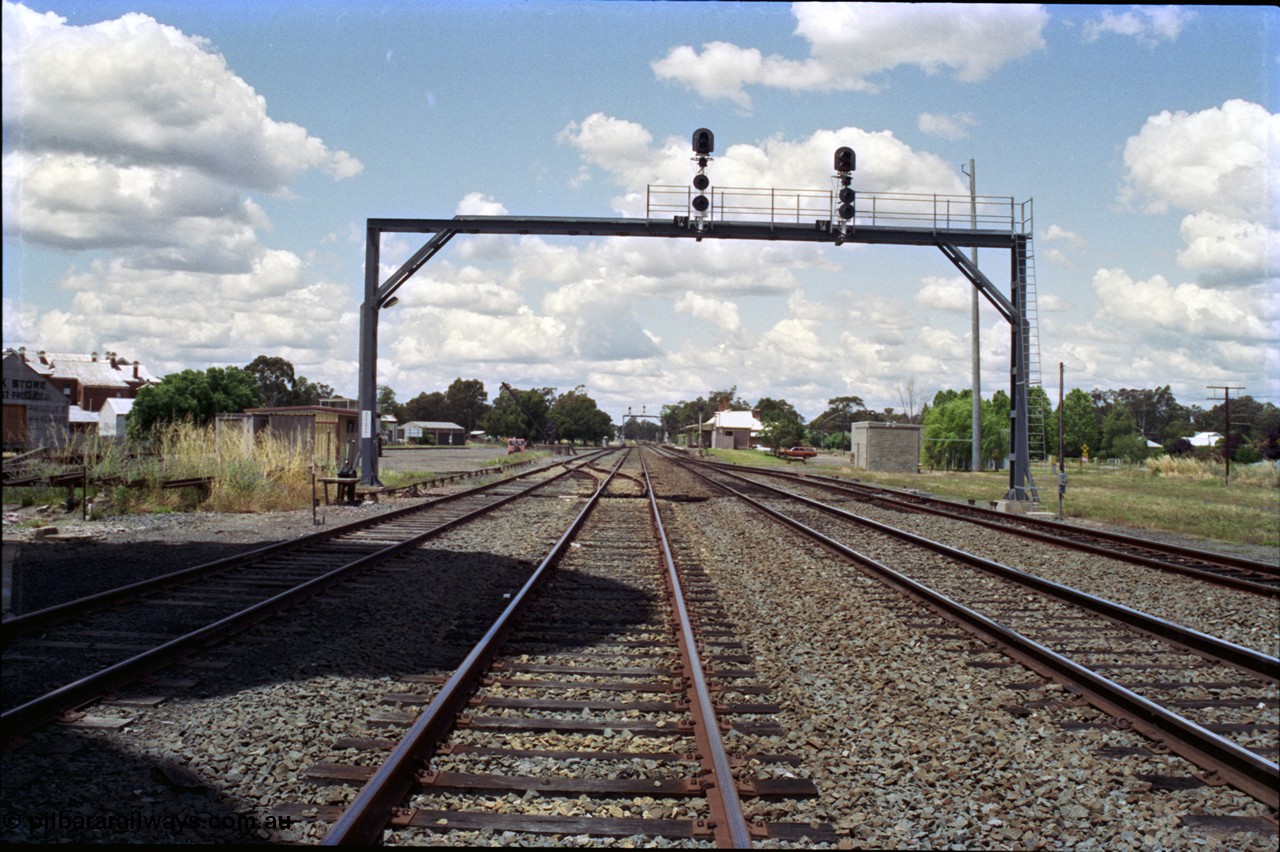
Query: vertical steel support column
369,360
1020,485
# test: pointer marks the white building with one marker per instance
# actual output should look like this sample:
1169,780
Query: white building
731,430
1205,439
112,417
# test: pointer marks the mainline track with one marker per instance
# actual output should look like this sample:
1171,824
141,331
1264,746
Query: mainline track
1222,569
1210,701
625,676
62,657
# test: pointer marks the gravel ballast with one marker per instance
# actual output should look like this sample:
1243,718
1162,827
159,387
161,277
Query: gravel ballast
903,722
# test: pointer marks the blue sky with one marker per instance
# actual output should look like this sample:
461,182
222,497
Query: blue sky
187,184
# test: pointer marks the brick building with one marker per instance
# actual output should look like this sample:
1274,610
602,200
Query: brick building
88,381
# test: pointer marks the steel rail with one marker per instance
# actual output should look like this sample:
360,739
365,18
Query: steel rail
1223,760
368,815
1062,535
25,717
43,619
728,823
1247,659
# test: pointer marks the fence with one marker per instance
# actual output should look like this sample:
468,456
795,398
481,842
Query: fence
806,206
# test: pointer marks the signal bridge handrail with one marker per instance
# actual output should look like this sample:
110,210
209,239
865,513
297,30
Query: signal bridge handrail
800,206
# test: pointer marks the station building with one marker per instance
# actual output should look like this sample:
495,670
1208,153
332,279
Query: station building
727,430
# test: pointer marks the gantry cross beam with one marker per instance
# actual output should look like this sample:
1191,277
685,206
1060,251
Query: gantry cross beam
948,239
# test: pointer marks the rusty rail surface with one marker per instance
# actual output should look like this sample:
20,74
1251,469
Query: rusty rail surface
40,710
368,815
40,620
731,828
384,801
1222,569
1223,760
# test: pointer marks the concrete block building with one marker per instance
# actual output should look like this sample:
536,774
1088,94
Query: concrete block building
889,447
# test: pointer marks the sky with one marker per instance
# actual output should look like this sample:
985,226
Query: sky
187,184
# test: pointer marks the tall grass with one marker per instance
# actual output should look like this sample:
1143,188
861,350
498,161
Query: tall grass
269,473
1265,475
1179,496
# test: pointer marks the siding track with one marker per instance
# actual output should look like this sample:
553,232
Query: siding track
1210,701
59,658
1230,571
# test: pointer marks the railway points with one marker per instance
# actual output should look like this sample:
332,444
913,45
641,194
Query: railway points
850,713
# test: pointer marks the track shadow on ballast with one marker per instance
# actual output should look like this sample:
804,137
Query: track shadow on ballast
422,616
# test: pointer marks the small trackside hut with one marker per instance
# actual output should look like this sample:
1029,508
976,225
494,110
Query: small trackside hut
888,447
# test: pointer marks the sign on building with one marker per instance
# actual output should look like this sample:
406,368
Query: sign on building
35,412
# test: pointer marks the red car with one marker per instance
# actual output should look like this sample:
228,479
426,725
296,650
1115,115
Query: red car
801,453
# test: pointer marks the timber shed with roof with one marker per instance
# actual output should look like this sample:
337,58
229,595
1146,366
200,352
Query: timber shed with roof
331,434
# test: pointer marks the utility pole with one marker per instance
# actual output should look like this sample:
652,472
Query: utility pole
976,430
1226,438
1062,470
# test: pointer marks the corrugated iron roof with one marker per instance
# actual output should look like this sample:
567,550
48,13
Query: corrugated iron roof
734,420
102,372
76,414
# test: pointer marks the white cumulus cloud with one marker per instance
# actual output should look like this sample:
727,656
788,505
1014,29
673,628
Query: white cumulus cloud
1147,24
1222,166
131,137
850,43
951,127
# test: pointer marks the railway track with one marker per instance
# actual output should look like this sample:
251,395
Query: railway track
571,719
59,658
1222,569
1210,701
598,705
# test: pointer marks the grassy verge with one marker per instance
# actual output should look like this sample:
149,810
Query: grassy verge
272,474
1165,495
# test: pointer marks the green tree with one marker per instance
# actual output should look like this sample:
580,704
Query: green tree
1078,426
194,396
676,419
578,418
772,408
275,379
948,430
1131,447
947,437
1117,426
306,392
783,425
525,418
995,429
831,427
278,384
465,402
427,406
387,403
